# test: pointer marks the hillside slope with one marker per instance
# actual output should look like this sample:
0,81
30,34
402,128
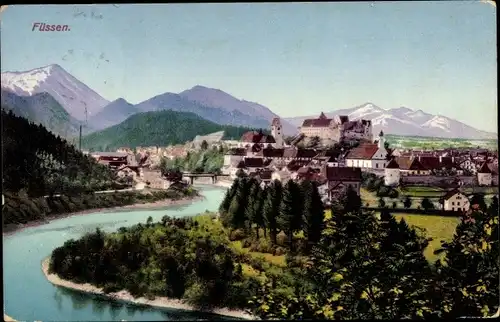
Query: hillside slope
160,128
42,109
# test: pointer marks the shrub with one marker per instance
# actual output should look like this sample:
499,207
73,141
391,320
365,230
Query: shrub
238,234
281,239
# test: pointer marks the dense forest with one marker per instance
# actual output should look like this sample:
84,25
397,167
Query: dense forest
203,161
161,128
44,176
345,263
41,163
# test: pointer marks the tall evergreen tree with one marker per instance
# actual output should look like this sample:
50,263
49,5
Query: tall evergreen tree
254,206
271,208
291,209
313,214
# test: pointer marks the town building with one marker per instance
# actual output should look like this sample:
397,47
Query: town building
340,179
410,166
454,200
484,175
338,128
114,160
277,132
369,155
392,174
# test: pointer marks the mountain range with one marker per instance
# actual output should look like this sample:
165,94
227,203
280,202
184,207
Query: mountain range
406,122
38,90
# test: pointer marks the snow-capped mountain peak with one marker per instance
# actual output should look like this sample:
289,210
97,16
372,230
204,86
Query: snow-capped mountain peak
367,110
78,99
440,122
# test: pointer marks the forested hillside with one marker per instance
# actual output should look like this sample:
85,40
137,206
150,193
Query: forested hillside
45,176
41,163
160,128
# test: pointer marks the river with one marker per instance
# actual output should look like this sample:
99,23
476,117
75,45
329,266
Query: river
28,296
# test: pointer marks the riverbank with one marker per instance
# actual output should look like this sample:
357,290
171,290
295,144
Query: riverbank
137,206
161,302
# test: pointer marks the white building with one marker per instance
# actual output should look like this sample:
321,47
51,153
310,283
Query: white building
454,200
277,133
484,175
392,174
371,156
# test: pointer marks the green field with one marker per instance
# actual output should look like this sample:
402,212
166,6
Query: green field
415,142
436,227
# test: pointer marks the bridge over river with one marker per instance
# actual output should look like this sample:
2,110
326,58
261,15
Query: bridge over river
215,176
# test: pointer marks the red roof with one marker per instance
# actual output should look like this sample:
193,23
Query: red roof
271,153
409,163
392,165
484,168
254,162
364,151
342,174
321,121
257,137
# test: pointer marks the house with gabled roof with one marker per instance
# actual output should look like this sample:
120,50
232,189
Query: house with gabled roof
339,179
369,155
454,200
410,166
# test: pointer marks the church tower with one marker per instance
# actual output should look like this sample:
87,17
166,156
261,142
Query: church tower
381,140
277,132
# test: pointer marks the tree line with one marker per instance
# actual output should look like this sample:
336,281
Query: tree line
202,161
274,208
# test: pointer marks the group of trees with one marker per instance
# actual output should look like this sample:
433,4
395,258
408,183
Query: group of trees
291,208
41,163
202,161
173,258
364,268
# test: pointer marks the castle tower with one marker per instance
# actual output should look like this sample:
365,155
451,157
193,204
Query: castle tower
392,173
381,140
484,176
277,132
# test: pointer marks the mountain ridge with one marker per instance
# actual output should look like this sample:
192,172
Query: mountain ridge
217,106
406,122
74,95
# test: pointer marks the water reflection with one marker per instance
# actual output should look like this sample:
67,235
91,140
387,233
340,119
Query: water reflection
101,306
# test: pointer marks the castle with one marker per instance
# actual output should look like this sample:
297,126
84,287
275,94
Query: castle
339,128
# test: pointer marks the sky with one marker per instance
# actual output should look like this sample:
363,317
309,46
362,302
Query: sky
295,58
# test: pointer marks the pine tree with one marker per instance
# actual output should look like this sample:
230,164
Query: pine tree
271,208
290,215
253,209
407,202
313,213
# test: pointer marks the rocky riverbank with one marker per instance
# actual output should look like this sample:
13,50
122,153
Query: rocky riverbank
162,302
150,206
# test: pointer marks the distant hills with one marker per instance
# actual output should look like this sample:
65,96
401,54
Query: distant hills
406,121
82,104
160,128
